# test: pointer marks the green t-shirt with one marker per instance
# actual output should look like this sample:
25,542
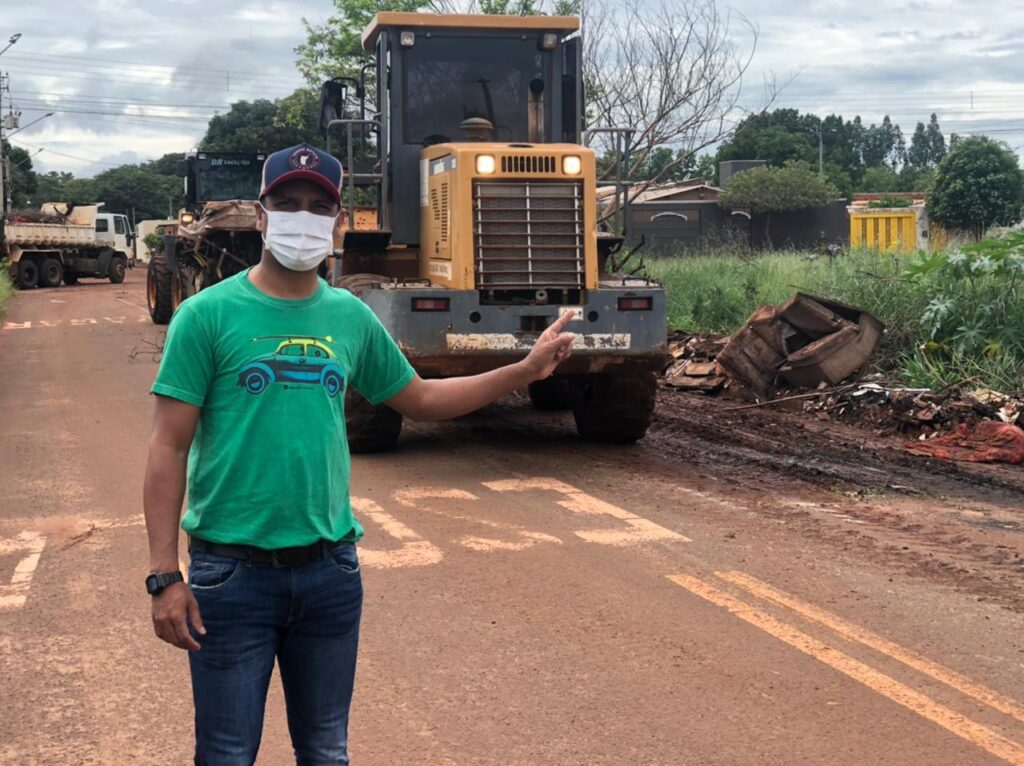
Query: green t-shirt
269,464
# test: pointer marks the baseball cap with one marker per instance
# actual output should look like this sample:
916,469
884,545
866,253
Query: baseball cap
302,163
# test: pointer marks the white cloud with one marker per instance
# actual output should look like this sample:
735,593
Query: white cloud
140,62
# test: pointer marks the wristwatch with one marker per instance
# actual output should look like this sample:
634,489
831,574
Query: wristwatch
157,581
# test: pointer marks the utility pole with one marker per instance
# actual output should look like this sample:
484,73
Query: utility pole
5,84
4,180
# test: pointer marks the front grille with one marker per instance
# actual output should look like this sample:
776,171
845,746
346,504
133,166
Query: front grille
528,234
528,163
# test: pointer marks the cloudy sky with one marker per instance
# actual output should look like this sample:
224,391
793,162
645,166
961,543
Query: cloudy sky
133,79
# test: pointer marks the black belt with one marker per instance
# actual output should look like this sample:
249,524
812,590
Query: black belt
278,557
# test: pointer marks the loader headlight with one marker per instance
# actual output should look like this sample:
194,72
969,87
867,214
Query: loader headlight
187,218
572,165
485,164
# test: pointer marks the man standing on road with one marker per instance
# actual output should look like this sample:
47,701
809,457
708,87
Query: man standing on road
273,572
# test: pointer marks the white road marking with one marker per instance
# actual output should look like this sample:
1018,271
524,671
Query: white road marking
415,551
414,497
14,594
640,529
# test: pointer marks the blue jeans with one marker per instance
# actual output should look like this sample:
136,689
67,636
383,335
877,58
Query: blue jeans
308,618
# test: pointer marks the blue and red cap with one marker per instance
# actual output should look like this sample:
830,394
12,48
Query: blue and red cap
302,163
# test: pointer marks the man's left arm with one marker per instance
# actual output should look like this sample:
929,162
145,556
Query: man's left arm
444,398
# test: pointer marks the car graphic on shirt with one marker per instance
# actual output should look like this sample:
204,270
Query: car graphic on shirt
298,359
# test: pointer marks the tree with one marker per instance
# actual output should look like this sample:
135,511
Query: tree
767,190
335,48
263,125
23,178
920,152
978,184
936,143
884,145
880,179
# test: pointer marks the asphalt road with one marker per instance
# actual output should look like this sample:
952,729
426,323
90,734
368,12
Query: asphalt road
529,599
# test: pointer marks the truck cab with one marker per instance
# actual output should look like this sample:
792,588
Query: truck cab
114,230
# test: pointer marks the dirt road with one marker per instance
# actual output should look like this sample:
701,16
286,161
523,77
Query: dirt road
740,588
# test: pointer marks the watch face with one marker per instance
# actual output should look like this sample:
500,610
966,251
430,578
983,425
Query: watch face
152,584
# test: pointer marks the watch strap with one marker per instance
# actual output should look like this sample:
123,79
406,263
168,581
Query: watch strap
157,581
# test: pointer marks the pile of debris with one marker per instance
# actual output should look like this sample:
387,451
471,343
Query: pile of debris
802,343
34,216
693,366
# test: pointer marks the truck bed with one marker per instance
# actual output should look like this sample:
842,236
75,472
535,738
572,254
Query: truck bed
49,235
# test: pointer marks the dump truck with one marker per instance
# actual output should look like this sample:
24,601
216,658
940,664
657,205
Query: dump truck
63,242
487,226
215,234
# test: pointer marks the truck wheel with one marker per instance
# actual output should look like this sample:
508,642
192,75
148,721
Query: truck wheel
117,270
28,274
70,277
551,394
51,273
158,290
370,427
613,407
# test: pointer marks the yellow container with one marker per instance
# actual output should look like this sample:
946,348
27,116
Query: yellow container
885,230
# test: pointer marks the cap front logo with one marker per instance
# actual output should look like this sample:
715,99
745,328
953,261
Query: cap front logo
304,158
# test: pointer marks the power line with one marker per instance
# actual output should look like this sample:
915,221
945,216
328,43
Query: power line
68,156
110,63
41,95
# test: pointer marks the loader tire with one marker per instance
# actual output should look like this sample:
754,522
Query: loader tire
159,289
28,274
370,427
551,394
51,273
615,408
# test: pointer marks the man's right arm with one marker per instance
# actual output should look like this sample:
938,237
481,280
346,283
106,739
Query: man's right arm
174,427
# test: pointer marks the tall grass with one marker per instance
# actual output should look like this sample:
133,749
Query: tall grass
710,293
6,289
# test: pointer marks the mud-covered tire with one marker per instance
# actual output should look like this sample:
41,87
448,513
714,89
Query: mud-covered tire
370,427
357,284
51,273
27,275
615,408
551,395
118,267
159,280
70,277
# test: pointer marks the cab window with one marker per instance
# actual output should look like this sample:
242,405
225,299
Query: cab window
316,352
292,349
119,224
102,224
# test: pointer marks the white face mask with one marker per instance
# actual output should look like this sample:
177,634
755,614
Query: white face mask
299,240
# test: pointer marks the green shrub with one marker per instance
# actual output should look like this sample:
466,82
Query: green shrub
6,288
890,201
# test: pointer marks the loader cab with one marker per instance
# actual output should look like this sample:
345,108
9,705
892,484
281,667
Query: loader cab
219,177
459,78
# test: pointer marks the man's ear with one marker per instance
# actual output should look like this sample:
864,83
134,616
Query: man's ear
261,218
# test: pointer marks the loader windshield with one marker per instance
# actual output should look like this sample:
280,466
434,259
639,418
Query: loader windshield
450,79
226,178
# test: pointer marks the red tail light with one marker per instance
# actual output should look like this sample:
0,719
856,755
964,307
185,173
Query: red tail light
431,304
645,303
